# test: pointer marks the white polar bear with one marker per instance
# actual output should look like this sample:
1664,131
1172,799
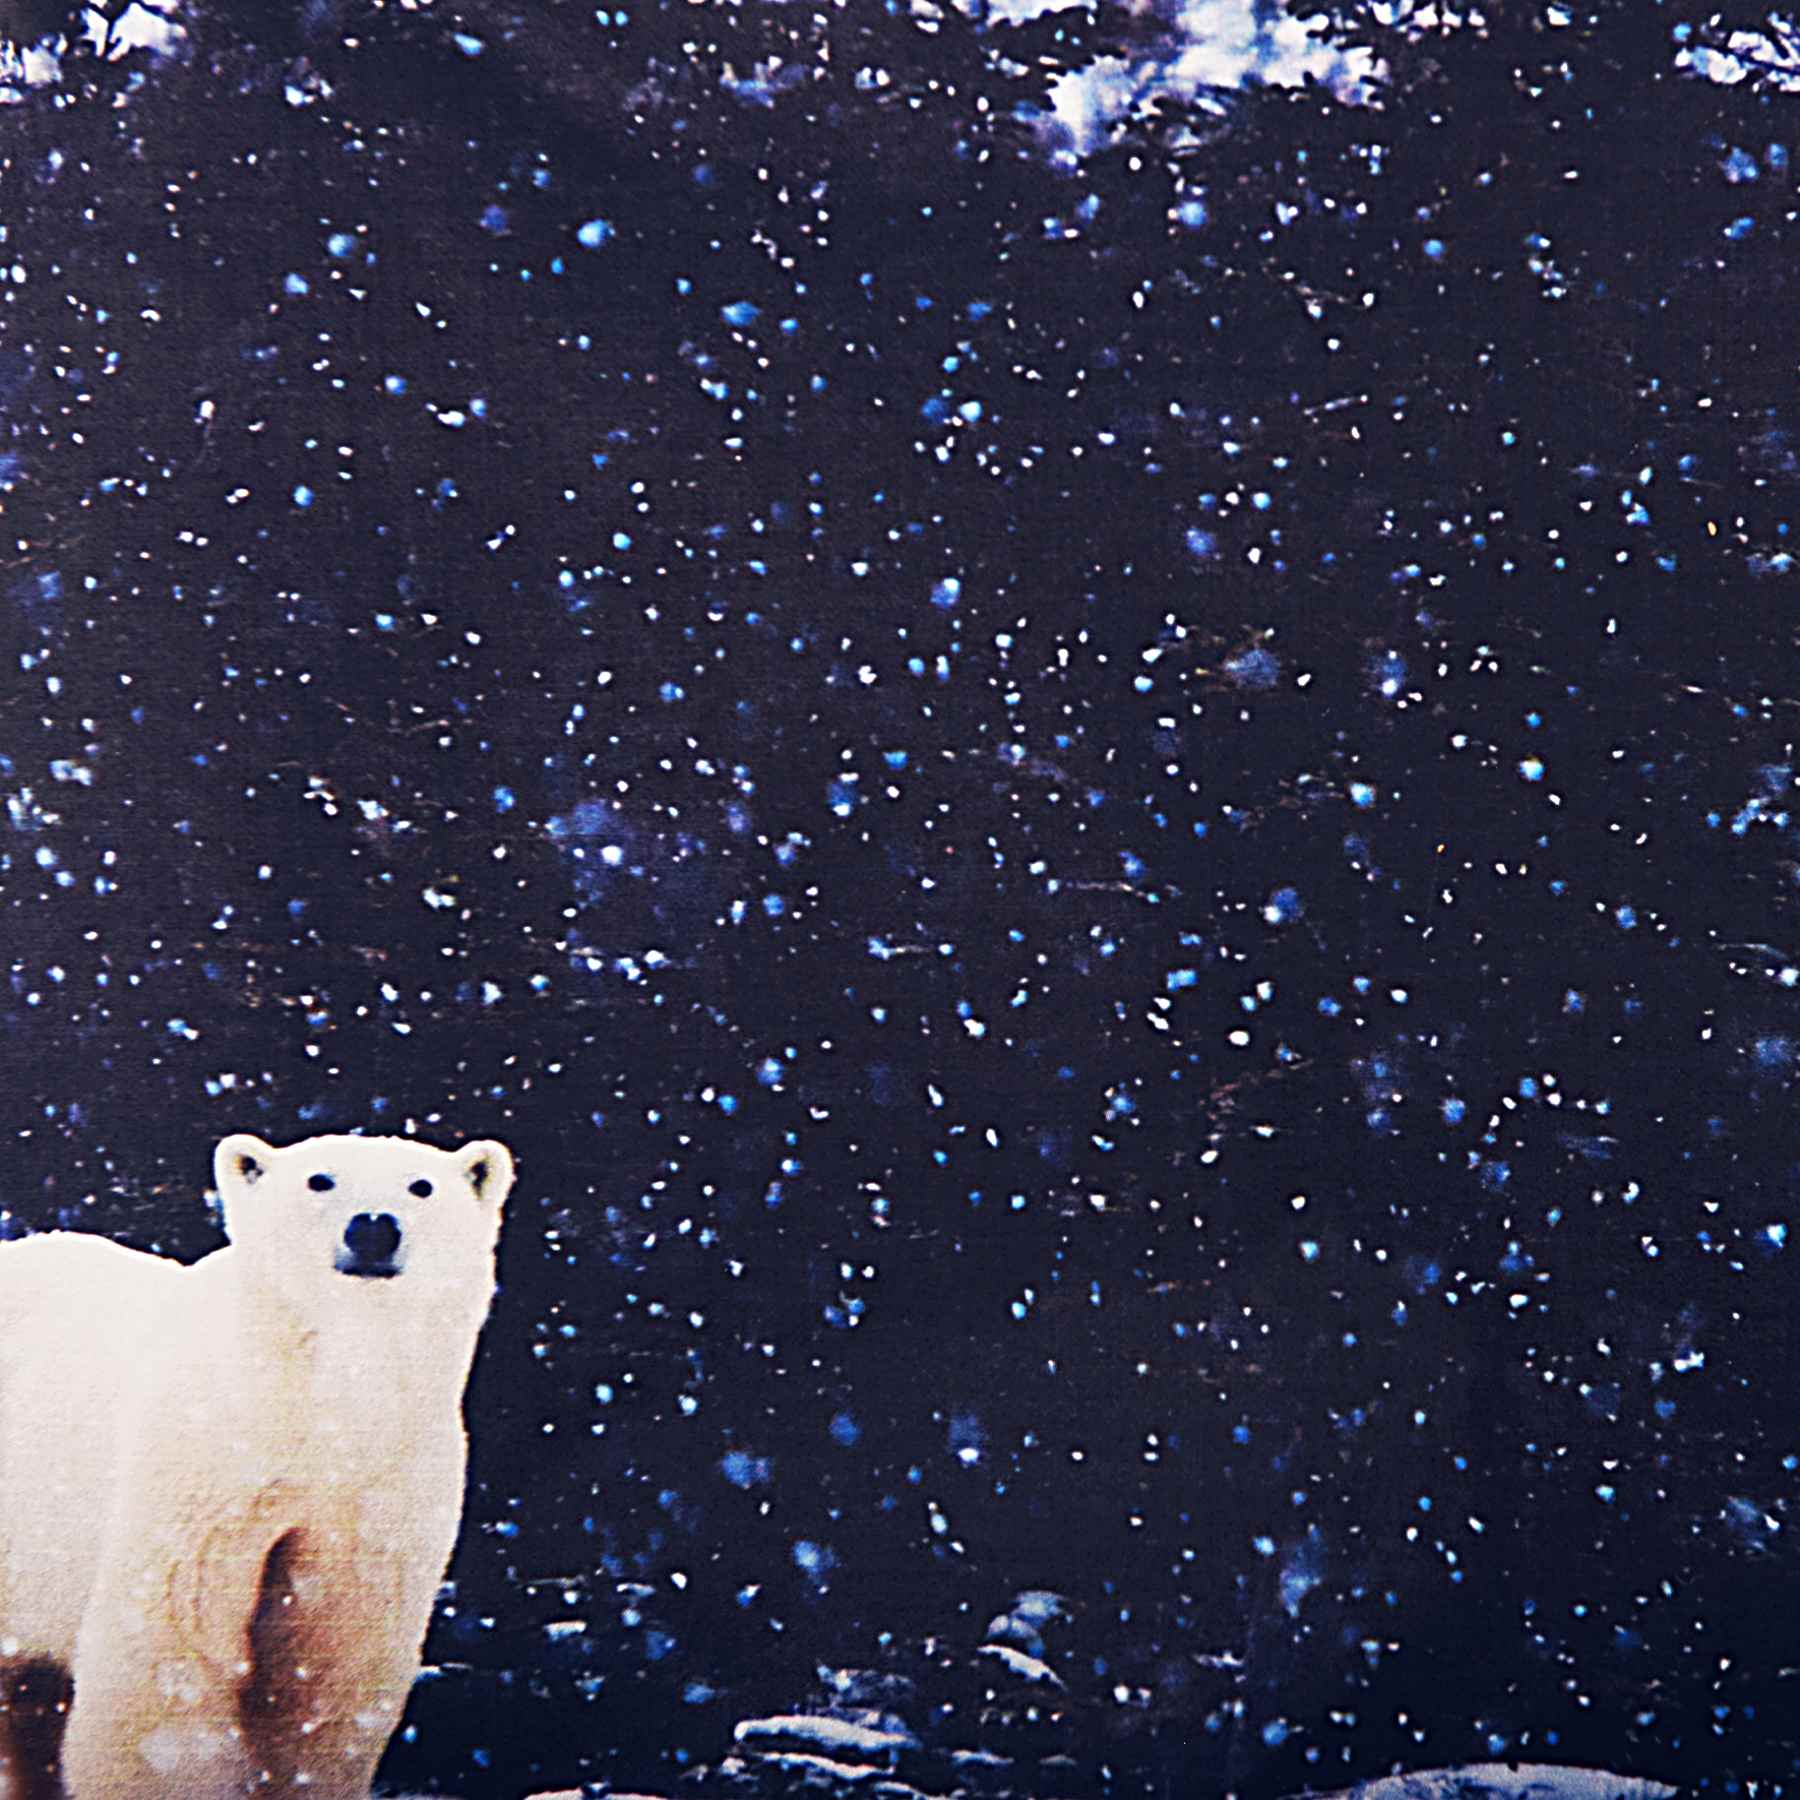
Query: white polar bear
228,1492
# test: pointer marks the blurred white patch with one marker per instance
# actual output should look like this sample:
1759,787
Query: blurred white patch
173,1748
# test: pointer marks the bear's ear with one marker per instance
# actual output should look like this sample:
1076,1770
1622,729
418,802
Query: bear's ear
241,1161
487,1166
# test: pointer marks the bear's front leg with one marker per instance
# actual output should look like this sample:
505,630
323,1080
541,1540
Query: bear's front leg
167,1724
163,1656
335,1647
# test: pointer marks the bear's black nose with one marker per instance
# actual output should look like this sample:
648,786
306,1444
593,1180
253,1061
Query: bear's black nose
372,1239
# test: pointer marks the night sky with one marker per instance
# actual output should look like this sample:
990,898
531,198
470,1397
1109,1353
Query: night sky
1114,834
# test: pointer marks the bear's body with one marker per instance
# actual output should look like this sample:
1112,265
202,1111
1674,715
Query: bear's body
228,1492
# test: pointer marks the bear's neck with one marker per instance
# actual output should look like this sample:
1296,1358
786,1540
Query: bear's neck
372,1397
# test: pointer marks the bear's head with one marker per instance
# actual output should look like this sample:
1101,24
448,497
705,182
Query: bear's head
374,1220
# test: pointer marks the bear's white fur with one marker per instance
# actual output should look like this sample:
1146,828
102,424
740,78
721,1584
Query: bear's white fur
228,1492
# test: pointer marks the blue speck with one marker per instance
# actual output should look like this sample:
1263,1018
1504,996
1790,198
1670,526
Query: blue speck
303,496
815,1559
1434,249
594,233
296,284
740,312
1453,1111
1256,669
742,1469
946,593
1284,906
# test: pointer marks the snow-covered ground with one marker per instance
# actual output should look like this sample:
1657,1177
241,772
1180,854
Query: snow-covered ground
1507,1781
1473,1781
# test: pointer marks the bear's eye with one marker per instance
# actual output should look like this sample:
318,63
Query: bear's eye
422,1188
320,1184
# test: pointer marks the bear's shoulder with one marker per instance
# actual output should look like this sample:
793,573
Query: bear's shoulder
83,1257
77,1310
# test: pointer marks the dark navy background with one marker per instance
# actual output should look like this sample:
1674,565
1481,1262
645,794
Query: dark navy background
1113,836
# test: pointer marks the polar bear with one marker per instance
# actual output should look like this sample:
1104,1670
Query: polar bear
228,1492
